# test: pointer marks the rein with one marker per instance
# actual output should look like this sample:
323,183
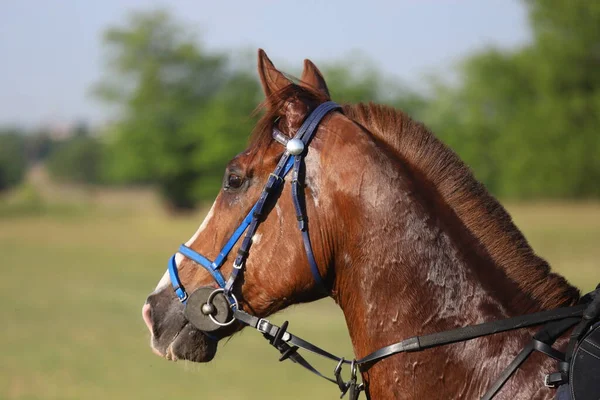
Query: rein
209,309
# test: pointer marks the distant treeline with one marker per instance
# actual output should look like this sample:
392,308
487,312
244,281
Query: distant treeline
74,158
527,121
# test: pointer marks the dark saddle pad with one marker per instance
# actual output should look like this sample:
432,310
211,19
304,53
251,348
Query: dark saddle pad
585,368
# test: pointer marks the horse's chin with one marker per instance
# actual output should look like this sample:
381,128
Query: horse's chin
189,344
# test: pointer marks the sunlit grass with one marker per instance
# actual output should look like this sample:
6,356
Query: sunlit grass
71,290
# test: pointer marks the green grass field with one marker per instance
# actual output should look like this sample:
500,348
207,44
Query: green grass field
72,287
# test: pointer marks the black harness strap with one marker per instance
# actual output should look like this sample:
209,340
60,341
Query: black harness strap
590,315
418,343
542,342
271,331
561,320
288,345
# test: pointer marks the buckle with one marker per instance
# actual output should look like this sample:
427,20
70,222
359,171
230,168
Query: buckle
184,298
264,326
276,177
181,293
238,266
279,136
554,380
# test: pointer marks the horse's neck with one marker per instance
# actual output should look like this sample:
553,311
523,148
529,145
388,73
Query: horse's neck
406,276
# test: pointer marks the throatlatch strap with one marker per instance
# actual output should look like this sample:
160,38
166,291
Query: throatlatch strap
302,223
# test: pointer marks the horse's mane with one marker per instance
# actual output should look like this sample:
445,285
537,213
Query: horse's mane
482,215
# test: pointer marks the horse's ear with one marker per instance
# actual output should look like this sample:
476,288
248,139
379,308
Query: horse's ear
271,78
313,79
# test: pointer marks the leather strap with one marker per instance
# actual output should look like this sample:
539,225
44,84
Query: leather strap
271,330
418,343
287,344
302,223
541,342
561,320
591,314
509,371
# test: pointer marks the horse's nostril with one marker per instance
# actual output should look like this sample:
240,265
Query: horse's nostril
147,315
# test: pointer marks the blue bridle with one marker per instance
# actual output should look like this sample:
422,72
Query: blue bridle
292,159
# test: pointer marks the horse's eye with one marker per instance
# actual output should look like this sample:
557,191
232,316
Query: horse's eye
234,181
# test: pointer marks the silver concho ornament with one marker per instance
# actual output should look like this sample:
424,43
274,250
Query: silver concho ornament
294,146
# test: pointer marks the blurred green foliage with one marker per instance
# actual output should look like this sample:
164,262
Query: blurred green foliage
13,162
184,111
77,160
528,121
38,146
356,80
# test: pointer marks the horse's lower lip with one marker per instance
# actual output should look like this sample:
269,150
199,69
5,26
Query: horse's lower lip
168,354
188,344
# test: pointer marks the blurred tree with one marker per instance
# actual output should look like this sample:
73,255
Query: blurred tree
183,111
356,80
567,60
38,145
353,80
13,162
81,129
527,121
77,160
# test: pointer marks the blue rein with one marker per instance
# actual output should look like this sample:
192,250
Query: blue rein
291,159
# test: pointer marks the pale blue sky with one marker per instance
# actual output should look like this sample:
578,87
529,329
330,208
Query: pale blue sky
50,50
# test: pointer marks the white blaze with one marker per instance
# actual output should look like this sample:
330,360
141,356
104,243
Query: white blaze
165,280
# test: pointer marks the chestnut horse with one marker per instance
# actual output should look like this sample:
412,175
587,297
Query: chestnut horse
406,240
